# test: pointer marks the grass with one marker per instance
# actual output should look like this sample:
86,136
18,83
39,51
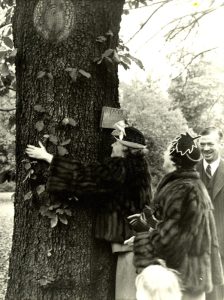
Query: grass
6,229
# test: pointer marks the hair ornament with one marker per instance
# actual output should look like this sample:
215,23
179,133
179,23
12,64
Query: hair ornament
119,129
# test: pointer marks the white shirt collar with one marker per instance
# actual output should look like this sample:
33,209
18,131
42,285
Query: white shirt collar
214,165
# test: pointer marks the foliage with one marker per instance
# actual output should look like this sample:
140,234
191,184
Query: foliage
199,95
7,187
7,134
7,50
7,88
150,110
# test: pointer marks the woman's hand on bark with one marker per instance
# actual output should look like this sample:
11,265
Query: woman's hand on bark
39,152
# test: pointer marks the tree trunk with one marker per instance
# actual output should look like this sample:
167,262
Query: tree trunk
54,40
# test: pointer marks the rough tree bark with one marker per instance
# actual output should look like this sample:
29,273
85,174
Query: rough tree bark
54,39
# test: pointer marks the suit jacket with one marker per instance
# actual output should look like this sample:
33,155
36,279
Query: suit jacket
216,190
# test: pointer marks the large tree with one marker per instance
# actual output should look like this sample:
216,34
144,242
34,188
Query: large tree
66,72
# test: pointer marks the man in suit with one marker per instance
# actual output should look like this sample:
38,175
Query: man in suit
211,169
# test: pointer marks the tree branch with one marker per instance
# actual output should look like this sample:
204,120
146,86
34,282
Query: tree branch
7,109
147,20
196,16
190,62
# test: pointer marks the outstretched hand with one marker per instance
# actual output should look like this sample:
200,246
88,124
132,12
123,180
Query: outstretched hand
39,152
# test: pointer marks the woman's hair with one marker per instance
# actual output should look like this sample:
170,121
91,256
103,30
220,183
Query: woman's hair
186,161
157,282
134,151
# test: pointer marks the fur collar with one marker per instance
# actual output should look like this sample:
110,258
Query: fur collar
178,174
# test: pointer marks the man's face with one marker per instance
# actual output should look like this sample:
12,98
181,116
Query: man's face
210,146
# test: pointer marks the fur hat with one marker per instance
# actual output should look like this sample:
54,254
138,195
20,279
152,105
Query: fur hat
129,136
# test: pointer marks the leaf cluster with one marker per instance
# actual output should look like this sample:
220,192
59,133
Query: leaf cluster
151,111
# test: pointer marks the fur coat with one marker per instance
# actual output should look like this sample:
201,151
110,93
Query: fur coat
116,188
185,235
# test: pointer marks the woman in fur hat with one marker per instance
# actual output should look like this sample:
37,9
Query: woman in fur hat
185,234
118,187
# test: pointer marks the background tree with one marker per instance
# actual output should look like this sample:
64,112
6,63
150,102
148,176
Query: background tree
198,92
152,112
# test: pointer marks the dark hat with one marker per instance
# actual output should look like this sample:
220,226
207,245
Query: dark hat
185,149
129,136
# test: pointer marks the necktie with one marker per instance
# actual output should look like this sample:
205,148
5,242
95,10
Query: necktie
208,171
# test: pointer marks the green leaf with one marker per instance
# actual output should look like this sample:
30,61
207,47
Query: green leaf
126,12
72,122
65,121
66,142
60,211
40,189
97,59
39,108
50,76
68,212
41,74
62,151
8,42
54,221
43,210
136,4
124,65
3,54
84,73
73,73
28,196
116,57
101,39
13,84
27,166
53,139
13,53
5,69
63,219
125,59
135,60
56,205
68,69
108,52
110,33
39,126
28,175
49,214
44,282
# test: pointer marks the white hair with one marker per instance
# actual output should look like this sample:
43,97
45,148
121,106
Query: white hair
168,164
158,283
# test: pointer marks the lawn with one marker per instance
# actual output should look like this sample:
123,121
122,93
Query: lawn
6,228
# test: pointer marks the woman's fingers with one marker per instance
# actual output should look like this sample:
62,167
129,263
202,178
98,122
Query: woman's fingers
30,147
41,145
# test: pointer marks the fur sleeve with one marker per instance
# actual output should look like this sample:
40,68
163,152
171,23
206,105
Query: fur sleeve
74,176
183,221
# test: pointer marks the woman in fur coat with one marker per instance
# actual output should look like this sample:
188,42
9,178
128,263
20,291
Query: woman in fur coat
118,187
185,234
